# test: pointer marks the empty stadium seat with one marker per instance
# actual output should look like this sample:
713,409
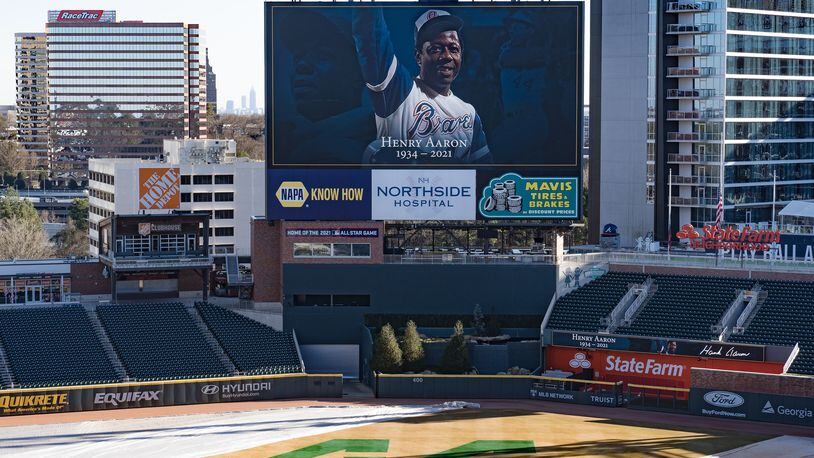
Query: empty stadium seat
685,306
253,347
159,341
53,346
583,309
785,319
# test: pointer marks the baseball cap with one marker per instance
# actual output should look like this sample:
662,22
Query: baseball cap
433,22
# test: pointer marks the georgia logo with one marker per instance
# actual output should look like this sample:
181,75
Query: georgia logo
210,389
292,194
687,231
579,361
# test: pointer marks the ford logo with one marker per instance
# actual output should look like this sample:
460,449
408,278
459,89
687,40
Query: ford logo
723,399
210,389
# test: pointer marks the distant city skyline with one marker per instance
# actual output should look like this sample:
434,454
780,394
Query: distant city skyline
229,47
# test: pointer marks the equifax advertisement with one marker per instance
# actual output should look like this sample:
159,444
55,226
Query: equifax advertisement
512,196
423,194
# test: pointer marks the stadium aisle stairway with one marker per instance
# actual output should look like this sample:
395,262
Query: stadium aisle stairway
253,347
53,346
785,319
685,306
582,309
159,341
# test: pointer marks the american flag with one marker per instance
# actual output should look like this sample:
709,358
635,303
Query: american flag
719,214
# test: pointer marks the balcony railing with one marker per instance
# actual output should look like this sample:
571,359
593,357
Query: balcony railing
691,71
128,261
690,93
675,115
690,50
693,137
696,180
682,29
688,7
692,158
694,201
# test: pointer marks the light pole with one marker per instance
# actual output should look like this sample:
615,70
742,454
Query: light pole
774,197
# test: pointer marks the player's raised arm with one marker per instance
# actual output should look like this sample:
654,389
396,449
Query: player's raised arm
387,80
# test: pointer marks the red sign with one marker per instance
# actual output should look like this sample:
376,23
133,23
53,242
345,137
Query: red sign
80,16
716,238
645,368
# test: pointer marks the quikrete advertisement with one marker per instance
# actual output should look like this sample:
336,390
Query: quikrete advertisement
298,194
721,350
512,196
19,404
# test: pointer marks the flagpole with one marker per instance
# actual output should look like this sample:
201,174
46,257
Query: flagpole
774,197
669,211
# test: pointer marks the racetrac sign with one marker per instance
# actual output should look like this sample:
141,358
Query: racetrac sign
80,16
159,188
716,238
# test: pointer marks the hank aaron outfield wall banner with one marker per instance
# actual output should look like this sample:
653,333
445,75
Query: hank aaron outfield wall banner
495,88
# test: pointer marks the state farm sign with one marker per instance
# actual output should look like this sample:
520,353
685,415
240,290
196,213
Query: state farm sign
716,238
80,15
159,188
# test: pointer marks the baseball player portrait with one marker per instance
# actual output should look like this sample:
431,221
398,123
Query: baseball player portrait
418,119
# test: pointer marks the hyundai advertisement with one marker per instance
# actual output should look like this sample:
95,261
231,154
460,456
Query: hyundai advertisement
492,88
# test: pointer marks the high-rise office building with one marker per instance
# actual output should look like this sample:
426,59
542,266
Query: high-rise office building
727,112
252,101
211,87
242,104
31,78
118,89
230,107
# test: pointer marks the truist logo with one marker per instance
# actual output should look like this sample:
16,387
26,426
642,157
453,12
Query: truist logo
80,15
716,238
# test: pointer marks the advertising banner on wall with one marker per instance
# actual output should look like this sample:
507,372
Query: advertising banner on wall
300,194
721,350
423,194
159,188
512,196
740,405
361,86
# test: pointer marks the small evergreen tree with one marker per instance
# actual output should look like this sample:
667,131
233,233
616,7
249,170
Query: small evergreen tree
386,351
456,356
412,349
478,322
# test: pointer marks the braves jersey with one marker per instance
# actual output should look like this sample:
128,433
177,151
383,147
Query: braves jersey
409,114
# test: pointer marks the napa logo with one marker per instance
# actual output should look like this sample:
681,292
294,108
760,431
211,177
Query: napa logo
292,194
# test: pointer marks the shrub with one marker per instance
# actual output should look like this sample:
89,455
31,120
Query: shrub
456,356
386,351
412,349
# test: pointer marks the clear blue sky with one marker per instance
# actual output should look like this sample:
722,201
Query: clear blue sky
233,32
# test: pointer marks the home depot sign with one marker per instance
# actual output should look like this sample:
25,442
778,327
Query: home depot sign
716,238
159,188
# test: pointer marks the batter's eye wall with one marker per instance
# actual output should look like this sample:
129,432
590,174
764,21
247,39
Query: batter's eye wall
405,289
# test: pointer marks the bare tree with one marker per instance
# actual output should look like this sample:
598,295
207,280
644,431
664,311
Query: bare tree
71,241
20,239
13,158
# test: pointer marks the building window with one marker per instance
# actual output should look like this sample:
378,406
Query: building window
224,232
185,197
224,179
224,196
184,179
224,214
202,197
202,179
331,250
332,300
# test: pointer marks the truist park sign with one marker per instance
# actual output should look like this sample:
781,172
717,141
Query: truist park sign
80,16
716,238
